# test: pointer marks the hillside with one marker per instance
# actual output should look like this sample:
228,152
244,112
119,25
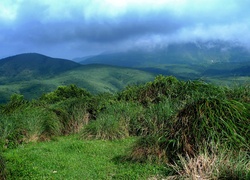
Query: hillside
94,78
163,129
34,74
33,65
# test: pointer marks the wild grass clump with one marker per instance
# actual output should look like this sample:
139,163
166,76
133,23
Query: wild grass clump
163,87
240,93
203,123
155,119
148,149
106,127
26,125
222,165
2,166
151,144
190,91
132,119
114,122
208,121
72,114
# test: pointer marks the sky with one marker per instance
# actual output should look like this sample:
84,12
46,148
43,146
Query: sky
78,28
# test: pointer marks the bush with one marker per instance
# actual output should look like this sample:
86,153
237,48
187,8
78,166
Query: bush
64,92
16,102
163,87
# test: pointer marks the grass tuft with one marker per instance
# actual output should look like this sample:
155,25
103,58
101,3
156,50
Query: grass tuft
208,121
222,165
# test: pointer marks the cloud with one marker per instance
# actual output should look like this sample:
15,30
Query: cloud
75,28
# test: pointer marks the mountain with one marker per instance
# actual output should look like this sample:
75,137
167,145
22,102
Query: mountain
196,53
34,74
33,65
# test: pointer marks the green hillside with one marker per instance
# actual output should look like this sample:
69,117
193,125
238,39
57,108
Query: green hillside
32,65
95,78
34,74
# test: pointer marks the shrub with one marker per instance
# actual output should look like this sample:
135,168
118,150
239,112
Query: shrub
16,102
163,87
65,92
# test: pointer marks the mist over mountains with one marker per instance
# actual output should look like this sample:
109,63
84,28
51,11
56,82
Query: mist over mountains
192,53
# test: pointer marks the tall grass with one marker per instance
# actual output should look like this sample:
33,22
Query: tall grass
221,165
72,114
114,122
2,167
208,121
28,124
176,121
202,123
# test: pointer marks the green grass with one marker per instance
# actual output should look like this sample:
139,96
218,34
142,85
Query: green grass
71,158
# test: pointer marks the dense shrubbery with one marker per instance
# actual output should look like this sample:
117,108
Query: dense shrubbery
172,118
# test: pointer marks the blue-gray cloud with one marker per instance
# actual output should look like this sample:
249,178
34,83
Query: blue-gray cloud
76,28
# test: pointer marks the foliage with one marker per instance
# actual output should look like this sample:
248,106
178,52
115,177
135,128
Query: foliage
208,121
173,120
65,92
2,167
72,114
151,120
16,102
29,124
240,93
152,92
113,122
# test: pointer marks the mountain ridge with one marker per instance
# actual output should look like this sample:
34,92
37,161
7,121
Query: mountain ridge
178,53
34,65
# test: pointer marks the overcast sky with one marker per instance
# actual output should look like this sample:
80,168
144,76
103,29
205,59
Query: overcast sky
76,28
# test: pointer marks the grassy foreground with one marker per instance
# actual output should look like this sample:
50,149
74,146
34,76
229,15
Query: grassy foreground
164,129
71,158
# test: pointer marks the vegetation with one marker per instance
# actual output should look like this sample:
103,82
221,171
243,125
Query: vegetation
166,128
34,74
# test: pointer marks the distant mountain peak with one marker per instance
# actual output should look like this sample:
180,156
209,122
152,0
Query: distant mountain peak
34,64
